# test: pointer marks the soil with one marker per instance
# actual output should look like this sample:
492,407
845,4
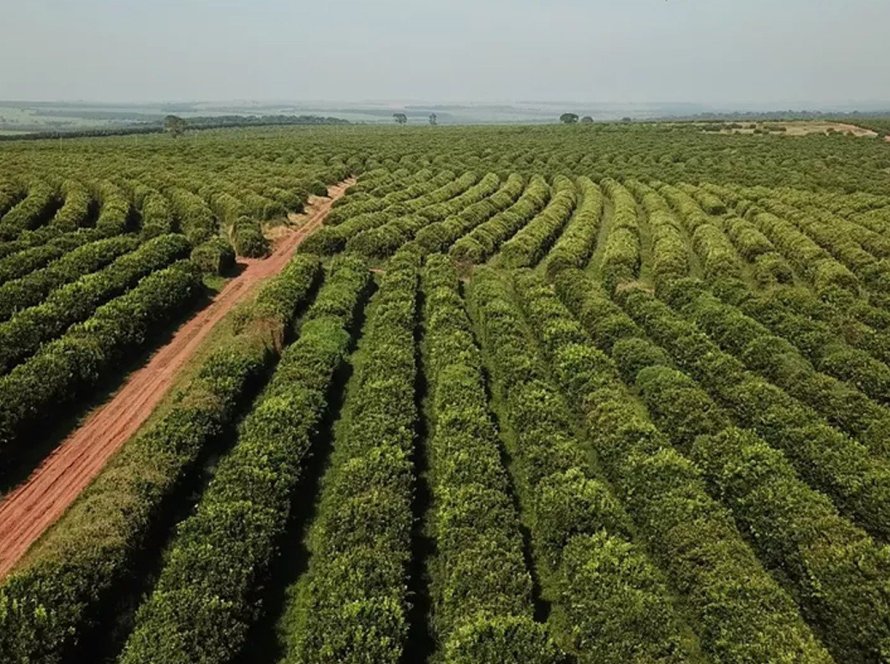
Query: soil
31,508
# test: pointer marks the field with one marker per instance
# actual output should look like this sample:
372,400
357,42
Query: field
595,393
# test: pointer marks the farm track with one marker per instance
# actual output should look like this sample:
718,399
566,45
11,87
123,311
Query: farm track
30,509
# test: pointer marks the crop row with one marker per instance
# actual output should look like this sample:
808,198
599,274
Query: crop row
741,614
444,186
835,567
63,370
49,603
116,212
835,343
479,581
778,360
11,193
807,257
77,210
35,209
530,244
352,603
402,190
205,599
609,603
838,238
670,255
621,255
825,458
29,290
24,333
716,252
383,240
438,236
483,240
579,239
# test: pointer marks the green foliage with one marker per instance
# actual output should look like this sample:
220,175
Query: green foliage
734,600
205,599
567,506
827,459
64,369
29,290
479,569
45,606
352,604
37,208
23,334
215,256
485,239
532,241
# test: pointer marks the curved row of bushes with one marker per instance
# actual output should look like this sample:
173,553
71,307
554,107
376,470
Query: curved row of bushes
385,239
777,359
331,239
63,370
157,215
532,241
621,255
479,580
33,250
34,210
116,212
29,290
716,252
825,458
838,239
483,240
839,573
608,602
835,342
578,241
21,263
351,605
192,215
670,255
837,569
741,614
808,258
12,192
47,604
23,334
206,597
78,209
378,198
438,236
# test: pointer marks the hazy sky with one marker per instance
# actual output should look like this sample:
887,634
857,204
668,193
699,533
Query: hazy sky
717,51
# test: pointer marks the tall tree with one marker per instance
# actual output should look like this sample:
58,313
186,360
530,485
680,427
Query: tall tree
434,119
401,118
174,125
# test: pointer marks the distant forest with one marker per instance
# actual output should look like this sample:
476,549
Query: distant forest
192,123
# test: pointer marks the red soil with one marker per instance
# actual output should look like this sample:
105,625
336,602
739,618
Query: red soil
31,508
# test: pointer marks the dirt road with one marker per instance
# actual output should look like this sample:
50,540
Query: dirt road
31,508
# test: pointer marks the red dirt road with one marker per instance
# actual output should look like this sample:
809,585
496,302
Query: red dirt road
31,508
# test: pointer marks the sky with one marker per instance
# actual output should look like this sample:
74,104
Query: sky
764,52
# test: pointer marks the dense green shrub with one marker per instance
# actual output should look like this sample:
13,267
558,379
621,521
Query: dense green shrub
23,334
205,599
65,369
215,256
30,289
734,600
46,605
